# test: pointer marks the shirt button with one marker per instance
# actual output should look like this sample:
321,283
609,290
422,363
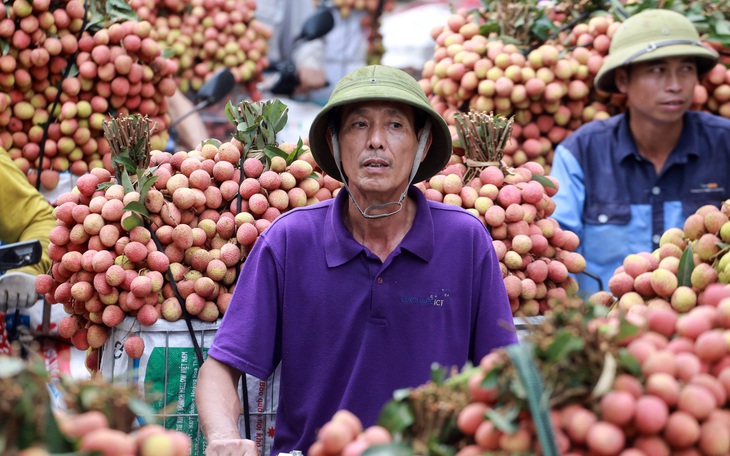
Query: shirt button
380,280
603,218
656,190
656,238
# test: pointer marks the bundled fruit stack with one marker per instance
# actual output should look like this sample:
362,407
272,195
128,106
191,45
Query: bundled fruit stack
537,72
95,418
681,271
167,241
535,254
207,35
652,384
546,89
62,75
347,6
370,22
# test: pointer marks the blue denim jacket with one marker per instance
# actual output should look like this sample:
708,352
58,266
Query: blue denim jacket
613,199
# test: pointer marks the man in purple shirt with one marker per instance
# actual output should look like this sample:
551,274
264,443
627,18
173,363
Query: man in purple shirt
357,296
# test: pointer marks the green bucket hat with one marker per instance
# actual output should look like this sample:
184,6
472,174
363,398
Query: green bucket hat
650,35
378,82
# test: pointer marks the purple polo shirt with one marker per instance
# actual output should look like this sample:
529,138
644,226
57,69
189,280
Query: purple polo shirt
349,329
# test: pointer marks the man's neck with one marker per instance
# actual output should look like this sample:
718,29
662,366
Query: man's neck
381,236
655,141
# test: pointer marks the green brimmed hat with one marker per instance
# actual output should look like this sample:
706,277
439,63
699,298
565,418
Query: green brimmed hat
378,82
650,35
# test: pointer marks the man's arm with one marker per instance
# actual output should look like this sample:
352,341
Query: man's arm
191,131
25,215
218,403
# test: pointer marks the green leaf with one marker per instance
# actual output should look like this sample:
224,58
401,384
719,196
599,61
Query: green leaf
142,409
626,330
438,373
231,113
130,222
147,183
544,28
137,207
491,380
543,180
436,448
722,27
217,143
686,266
127,183
105,185
273,151
401,394
4,46
390,449
127,162
628,362
168,53
505,422
562,345
53,436
120,11
396,416
488,29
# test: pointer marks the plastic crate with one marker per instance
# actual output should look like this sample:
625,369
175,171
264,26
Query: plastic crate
166,376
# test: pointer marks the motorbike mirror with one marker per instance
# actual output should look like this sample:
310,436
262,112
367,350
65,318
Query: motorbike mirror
218,86
20,254
317,25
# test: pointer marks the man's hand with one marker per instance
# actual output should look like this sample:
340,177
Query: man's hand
231,447
310,78
17,289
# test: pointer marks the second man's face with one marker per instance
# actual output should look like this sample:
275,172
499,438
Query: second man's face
659,90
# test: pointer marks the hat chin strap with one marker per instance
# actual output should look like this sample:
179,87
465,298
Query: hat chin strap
414,169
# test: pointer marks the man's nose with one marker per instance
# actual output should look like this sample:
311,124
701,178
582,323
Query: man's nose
376,138
673,81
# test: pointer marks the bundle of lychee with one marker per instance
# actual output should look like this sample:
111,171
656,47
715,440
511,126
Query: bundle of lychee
207,35
547,89
62,74
29,425
483,61
655,384
679,274
515,204
370,23
167,241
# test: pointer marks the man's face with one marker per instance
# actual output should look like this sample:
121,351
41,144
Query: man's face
378,143
659,91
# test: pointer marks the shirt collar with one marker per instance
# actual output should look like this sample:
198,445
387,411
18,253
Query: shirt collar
340,246
687,145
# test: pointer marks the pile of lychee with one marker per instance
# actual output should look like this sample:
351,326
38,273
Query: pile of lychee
536,255
118,68
204,213
548,87
679,273
204,36
674,402
93,433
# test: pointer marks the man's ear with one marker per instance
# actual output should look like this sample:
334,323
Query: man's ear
621,79
429,141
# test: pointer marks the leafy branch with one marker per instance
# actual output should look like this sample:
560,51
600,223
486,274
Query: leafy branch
257,124
129,140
